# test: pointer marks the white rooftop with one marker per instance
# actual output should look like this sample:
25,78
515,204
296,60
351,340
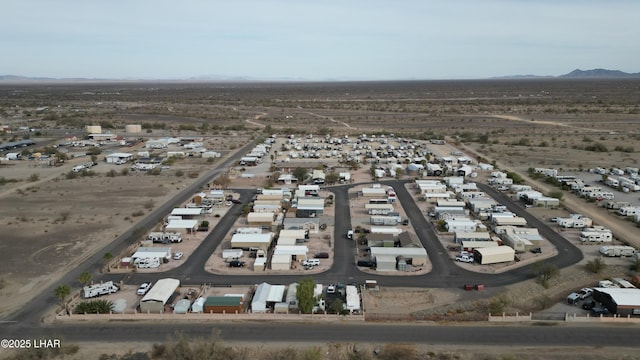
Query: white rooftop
182,224
186,211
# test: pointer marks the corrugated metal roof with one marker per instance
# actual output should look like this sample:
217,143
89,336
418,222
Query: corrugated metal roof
223,301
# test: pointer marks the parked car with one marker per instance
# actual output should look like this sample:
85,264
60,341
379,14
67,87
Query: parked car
321,255
405,222
599,310
331,289
589,305
365,263
585,293
229,203
236,201
144,288
236,263
536,250
178,256
464,258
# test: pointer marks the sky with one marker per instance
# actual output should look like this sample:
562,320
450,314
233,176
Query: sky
316,40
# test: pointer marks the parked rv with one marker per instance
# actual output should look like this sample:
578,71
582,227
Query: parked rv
617,250
105,288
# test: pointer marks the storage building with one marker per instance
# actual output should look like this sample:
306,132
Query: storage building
252,241
265,218
618,301
493,255
159,295
281,262
469,245
184,226
223,304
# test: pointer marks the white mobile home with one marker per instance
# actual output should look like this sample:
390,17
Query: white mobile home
461,225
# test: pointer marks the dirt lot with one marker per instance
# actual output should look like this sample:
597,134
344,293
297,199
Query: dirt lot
55,222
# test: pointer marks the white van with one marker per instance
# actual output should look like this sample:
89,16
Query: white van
311,262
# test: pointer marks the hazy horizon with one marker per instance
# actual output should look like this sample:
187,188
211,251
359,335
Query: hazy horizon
329,41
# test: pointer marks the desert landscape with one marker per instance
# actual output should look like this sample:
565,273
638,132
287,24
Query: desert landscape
52,220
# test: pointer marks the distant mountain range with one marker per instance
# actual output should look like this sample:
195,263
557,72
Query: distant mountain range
600,73
575,74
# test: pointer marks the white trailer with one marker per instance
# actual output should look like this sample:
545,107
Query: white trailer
353,299
594,236
378,209
384,220
573,222
612,182
385,230
617,250
232,253
105,288
629,211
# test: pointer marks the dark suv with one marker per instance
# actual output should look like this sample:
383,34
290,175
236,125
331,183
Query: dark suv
236,263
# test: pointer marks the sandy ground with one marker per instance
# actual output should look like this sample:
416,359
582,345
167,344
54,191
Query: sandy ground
54,223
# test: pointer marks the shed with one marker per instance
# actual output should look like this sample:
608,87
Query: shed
618,301
159,295
281,308
198,305
385,262
182,306
281,262
259,264
223,304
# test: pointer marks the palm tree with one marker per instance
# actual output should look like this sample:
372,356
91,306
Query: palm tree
61,292
84,278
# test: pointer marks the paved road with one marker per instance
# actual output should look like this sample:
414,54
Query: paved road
445,273
370,333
